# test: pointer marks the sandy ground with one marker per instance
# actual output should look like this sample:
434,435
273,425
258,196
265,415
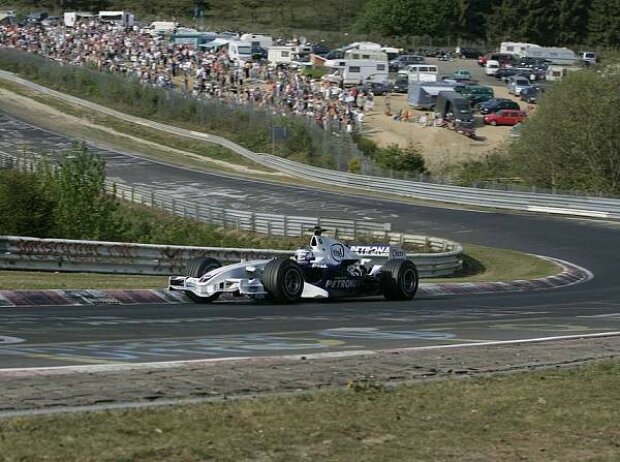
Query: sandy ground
440,146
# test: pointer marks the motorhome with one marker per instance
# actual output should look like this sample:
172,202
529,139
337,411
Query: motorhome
239,52
555,55
392,53
283,54
120,18
258,40
421,72
356,72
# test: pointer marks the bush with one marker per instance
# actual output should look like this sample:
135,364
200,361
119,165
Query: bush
407,159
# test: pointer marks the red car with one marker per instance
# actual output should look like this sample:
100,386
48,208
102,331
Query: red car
505,117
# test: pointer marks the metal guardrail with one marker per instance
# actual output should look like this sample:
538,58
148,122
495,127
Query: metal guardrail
271,224
584,206
26,253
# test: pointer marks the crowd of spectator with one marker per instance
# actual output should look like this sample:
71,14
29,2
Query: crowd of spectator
207,74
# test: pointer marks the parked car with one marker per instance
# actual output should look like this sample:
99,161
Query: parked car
401,84
476,93
491,67
505,117
502,58
319,49
403,61
517,83
504,72
461,74
469,53
497,104
377,88
588,57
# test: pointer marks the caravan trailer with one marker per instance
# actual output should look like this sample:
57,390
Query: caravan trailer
515,48
555,55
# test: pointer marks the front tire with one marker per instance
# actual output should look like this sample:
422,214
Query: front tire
197,268
400,280
283,280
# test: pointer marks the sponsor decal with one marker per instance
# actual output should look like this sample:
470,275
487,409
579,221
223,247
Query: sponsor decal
341,284
337,252
371,249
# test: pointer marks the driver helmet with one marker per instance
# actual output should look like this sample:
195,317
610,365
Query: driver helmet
304,256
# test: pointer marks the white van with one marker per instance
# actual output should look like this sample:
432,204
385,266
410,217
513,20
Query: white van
421,72
491,67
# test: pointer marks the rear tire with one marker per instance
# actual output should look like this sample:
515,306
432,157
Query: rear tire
399,280
283,280
197,268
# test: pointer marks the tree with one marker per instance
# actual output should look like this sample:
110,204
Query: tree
24,208
570,21
604,23
83,209
403,18
572,142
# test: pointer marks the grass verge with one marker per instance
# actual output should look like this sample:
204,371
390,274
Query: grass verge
491,265
567,415
154,144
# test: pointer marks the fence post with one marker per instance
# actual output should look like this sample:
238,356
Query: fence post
152,199
285,226
196,211
174,206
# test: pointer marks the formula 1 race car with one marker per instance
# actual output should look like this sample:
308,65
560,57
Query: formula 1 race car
325,269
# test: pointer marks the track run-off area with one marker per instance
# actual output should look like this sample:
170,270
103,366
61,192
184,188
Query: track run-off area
109,337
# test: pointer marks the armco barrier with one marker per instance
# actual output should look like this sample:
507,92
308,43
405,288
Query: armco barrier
582,206
25,253
271,224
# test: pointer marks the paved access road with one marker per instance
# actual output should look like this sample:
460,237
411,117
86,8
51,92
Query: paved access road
32,337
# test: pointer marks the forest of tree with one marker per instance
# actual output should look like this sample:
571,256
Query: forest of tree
546,22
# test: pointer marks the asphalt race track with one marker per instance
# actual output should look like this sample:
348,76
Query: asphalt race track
66,336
